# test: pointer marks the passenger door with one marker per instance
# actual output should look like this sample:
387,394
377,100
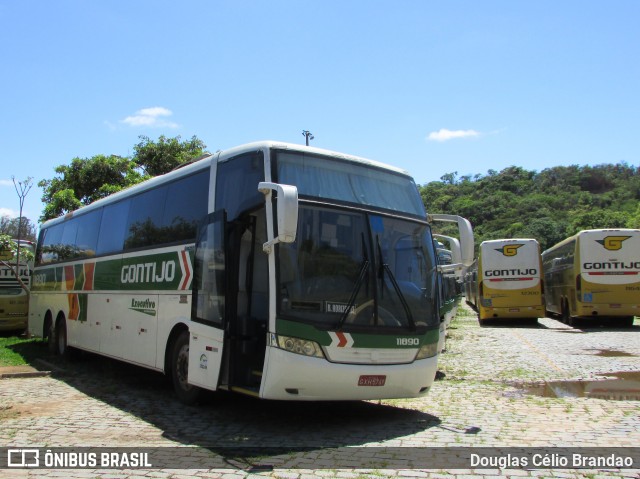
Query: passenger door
208,305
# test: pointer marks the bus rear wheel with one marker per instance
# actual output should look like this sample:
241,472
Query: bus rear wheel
58,337
187,393
566,314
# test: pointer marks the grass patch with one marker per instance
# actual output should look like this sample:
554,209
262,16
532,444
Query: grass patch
18,351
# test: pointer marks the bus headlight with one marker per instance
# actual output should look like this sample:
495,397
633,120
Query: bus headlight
298,346
427,351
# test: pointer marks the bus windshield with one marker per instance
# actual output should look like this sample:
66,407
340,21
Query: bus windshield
349,182
354,270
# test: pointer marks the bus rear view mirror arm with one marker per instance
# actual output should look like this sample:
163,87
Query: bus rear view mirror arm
287,200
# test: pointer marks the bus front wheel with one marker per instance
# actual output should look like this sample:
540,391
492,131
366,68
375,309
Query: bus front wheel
187,393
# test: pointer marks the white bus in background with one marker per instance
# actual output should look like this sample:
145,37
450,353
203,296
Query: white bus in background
451,273
507,283
594,275
276,270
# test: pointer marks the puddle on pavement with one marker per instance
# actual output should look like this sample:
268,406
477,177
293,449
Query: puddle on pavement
610,353
621,386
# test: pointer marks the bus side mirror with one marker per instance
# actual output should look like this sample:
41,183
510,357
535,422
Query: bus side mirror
287,213
466,235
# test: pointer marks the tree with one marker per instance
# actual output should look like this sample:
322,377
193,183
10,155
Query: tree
598,219
548,206
84,181
15,228
156,158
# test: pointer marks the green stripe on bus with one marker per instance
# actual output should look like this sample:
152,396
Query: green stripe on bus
360,340
161,271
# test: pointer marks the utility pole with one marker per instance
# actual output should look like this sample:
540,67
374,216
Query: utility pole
307,135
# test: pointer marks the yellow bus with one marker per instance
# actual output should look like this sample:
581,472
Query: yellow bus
594,274
508,280
14,299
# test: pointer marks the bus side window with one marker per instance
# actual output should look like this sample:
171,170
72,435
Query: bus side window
113,228
51,245
145,218
186,205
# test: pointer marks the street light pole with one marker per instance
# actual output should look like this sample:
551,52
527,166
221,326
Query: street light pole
307,135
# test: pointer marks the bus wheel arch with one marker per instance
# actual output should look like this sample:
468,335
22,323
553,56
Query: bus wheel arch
177,365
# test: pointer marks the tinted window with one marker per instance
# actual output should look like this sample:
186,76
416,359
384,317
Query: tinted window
51,243
145,219
113,227
352,182
187,204
88,227
237,184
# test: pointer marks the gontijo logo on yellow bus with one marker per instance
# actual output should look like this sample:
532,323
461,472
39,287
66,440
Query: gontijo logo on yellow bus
509,249
613,243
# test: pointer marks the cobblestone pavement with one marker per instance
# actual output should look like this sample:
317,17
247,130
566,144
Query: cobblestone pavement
490,397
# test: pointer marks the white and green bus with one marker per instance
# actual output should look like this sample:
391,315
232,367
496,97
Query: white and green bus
594,275
276,270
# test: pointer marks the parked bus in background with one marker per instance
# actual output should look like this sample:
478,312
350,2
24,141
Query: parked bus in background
14,299
471,285
594,274
451,271
275,270
509,280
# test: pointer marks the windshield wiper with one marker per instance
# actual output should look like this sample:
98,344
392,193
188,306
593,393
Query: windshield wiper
364,269
385,267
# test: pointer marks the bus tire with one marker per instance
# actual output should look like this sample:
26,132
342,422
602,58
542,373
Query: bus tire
624,322
566,314
49,334
58,338
187,393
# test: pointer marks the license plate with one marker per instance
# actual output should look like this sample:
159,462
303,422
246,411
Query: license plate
367,380
514,310
615,305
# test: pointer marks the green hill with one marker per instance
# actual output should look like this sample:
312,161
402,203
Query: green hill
549,205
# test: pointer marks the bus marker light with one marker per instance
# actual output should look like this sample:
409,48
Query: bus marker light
372,380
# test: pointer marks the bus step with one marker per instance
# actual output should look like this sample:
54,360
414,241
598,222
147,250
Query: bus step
249,391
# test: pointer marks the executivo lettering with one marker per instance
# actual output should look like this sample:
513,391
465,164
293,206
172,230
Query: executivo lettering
145,306
149,272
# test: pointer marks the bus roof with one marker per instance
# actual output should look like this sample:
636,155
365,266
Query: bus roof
218,156
586,232
279,145
509,240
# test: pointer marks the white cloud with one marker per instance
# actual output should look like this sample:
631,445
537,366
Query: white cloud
151,117
445,135
8,212
6,183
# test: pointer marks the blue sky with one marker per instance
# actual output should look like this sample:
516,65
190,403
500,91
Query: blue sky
432,87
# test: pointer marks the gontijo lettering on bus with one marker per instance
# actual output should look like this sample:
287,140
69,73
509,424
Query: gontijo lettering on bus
149,272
